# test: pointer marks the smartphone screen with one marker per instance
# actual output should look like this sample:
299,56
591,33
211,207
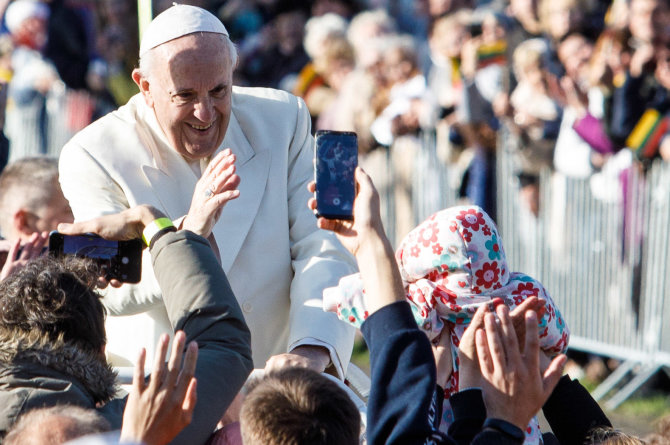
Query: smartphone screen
336,160
121,260
90,247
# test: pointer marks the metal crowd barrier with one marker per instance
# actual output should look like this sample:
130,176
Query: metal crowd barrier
599,245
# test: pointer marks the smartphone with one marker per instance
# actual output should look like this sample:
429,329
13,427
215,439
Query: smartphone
475,29
121,260
336,160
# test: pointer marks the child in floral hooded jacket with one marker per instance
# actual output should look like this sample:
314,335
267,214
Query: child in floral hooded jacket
451,264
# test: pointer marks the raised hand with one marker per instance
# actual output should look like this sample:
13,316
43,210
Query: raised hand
19,255
513,385
156,412
367,216
216,187
364,237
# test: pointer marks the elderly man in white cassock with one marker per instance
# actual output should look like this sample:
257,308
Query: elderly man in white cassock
189,143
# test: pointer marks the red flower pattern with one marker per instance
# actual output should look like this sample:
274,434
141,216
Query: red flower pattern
467,235
486,230
415,251
488,275
437,249
471,219
526,289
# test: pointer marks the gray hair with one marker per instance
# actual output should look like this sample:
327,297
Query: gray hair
319,29
146,61
35,424
378,18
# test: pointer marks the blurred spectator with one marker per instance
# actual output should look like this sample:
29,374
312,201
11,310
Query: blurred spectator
343,8
561,17
68,45
278,62
640,90
364,91
438,8
407,86
336,63
323,44
34,82
582,128
535,118
648,21
117,44
447,36
663,76
483,70
6,49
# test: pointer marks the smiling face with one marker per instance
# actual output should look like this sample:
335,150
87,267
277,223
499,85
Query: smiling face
188,84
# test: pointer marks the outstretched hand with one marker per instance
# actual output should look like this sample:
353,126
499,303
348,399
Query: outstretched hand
156,412
214,189
125,225
513,385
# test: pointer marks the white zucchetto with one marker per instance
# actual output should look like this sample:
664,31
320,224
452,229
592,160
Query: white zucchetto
178,21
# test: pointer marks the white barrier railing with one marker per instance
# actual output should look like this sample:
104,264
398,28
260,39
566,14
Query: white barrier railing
600,246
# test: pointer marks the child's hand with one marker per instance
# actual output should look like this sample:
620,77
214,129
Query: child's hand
469,375
442,353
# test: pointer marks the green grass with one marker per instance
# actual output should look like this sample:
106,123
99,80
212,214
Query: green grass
639,414
652,406
360,356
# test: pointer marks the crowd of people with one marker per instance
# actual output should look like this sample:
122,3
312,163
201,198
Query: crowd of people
169,137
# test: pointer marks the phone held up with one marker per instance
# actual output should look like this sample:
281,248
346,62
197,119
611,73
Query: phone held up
334,166
120,260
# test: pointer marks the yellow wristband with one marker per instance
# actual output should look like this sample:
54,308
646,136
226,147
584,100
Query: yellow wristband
154,227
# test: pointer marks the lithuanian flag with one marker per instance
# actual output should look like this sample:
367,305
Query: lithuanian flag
646,136
492,53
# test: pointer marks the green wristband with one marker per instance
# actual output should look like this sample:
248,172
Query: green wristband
154,227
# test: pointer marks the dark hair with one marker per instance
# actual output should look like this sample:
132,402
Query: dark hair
56,297
299,406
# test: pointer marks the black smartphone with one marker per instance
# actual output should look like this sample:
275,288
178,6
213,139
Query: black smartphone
121,260
475,29
334,166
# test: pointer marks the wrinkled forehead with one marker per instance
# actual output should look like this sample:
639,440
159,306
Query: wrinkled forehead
193,55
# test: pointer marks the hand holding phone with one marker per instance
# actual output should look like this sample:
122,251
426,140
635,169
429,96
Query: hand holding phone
334,166
119,260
